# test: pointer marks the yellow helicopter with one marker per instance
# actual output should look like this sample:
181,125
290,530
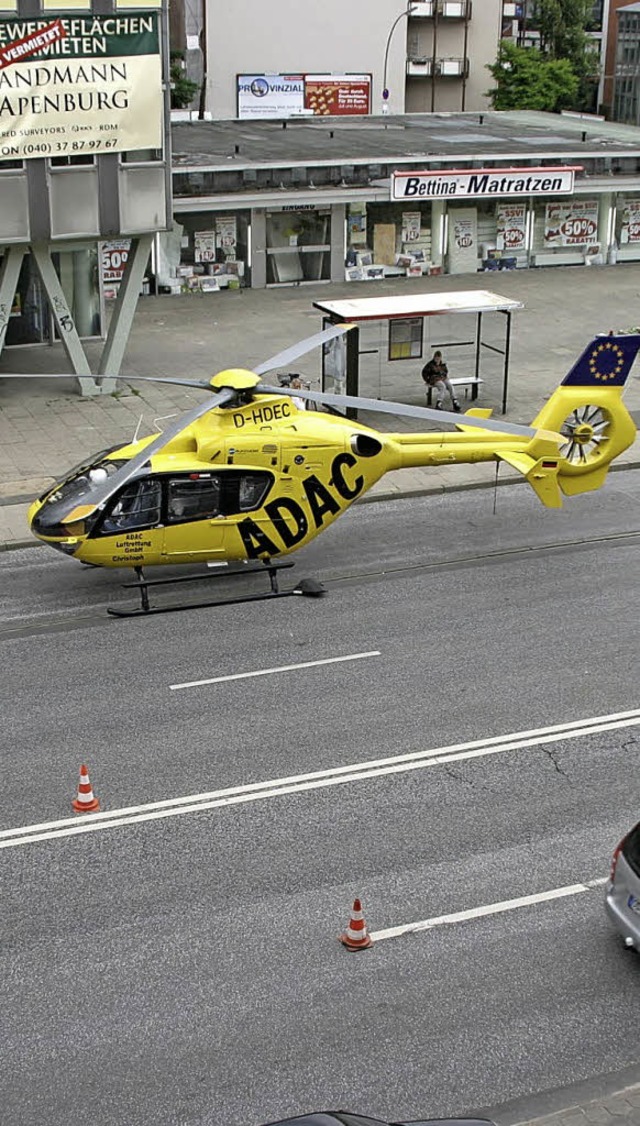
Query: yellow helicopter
247,477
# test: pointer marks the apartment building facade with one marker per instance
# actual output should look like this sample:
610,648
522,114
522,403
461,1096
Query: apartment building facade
429,55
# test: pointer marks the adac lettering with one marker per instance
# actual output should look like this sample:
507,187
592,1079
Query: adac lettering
259,415
289,523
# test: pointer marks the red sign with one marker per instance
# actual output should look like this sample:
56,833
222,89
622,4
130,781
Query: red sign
337,94
31,44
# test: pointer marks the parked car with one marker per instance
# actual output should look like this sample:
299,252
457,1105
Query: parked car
622,896
346,1118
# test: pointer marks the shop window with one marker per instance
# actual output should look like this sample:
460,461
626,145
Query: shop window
405,338
67,161
141,156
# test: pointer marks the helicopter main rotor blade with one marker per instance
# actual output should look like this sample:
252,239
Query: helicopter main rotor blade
201,384
101,493
283,359
383,407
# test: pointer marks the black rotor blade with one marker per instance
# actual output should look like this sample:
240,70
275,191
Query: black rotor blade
103,492
201,384
428,414
283,359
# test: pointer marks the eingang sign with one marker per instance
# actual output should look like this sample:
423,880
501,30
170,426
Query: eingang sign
80,84
483,182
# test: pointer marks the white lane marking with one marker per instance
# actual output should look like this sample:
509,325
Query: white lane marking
277,668
488,909
254,791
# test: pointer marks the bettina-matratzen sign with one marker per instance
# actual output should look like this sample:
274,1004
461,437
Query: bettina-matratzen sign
72,85
492,182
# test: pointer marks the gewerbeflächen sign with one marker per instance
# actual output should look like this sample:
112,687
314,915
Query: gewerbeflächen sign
465,184
77,85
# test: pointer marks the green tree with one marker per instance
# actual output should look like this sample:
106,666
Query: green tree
183,90
563,35
525,79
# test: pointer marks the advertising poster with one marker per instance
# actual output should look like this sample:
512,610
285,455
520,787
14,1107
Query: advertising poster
411,226
204,246
270,95
227,235
358,222
463,233
511,226
113,259
630,229
337,94
334,365
80,84
571,224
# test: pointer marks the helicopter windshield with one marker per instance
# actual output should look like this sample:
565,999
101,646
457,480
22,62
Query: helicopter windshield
84,480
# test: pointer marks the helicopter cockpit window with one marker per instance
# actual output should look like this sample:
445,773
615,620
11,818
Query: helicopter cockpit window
193,498
137,506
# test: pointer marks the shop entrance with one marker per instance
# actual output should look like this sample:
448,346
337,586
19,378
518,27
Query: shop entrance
298,245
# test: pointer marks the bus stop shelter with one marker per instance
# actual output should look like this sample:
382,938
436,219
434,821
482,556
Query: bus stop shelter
405,316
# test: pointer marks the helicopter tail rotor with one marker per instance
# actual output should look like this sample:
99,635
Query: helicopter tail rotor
587,410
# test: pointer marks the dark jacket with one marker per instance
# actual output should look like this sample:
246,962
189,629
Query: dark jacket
431,374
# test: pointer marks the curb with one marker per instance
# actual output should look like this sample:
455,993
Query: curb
390,494
525,1111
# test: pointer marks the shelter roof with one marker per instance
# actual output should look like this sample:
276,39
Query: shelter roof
419,305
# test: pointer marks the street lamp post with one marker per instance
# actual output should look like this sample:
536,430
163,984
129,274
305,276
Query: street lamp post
385,89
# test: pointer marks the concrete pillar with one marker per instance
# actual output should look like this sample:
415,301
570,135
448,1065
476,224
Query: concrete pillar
338,248
438,208
605,211
258,248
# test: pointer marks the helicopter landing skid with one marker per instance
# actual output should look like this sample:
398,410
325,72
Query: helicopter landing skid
307,587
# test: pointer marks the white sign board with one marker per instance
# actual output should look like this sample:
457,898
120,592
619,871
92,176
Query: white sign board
80,84
482,182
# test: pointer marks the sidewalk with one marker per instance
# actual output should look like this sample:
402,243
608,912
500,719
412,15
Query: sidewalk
605,1100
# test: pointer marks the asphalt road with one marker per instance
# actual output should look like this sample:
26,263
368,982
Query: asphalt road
180,965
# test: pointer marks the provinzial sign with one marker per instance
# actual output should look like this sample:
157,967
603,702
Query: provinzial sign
307,95
80,84
483,182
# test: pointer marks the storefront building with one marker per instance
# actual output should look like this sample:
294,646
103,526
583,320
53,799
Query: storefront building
413,195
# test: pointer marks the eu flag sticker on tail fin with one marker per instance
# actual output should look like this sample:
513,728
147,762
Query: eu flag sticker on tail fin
606,362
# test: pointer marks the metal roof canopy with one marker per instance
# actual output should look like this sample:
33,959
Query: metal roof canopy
425,305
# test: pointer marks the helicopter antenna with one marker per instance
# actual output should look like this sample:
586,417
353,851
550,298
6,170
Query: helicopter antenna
137,430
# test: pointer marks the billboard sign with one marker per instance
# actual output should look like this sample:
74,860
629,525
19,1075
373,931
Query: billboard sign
270,95
303,95
73,85
483,182
337,95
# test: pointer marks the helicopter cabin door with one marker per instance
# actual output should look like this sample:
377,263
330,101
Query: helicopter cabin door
203,509
194,525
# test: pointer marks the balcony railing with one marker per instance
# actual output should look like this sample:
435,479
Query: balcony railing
423,67
445,9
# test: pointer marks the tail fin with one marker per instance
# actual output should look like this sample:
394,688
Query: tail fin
587,409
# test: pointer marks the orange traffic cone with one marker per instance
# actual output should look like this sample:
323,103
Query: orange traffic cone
85,801
355,937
